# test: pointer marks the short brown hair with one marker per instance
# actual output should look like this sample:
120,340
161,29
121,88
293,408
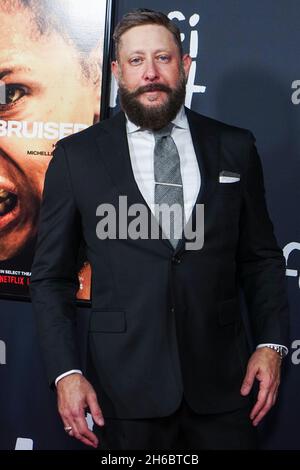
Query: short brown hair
143,16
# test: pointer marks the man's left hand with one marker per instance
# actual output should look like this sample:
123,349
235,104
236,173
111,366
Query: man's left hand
264,365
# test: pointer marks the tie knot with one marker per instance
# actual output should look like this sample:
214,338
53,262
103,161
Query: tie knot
164,132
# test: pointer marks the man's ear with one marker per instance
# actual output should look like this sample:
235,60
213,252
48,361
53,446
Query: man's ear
97,90
187,62
115,69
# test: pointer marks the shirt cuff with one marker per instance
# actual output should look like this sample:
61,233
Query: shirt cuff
263,345
69,372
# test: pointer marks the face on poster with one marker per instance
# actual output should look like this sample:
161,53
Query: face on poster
50,84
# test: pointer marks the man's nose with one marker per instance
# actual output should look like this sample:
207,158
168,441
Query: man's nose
151,72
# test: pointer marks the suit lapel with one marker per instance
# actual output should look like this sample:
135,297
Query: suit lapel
113,145
207,148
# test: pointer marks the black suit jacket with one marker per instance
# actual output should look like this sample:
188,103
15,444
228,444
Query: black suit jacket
162,323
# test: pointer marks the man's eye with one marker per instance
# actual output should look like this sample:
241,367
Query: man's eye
13,93
135,60
163,58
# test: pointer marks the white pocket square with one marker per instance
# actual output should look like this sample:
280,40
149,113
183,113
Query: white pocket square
229,177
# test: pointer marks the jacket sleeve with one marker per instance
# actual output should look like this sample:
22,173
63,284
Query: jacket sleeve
54,280
260,261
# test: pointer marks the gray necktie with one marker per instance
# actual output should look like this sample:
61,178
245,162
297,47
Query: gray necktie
168,185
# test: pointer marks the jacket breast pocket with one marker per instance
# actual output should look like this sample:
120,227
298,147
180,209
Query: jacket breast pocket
107,322
229,189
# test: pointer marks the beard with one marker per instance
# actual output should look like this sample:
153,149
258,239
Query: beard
153,117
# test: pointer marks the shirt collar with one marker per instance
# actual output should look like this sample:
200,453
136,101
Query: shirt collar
180,121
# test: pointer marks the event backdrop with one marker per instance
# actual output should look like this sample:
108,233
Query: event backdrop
245,72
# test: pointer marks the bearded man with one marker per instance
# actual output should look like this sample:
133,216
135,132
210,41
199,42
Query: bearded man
167,363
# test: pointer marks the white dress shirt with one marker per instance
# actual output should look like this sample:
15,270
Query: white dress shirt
141,149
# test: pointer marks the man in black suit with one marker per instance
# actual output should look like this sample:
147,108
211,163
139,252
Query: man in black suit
168,363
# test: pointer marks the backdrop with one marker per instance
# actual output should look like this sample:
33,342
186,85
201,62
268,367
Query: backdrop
245,71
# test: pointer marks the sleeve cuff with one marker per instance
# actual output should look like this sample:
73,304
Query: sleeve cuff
263,345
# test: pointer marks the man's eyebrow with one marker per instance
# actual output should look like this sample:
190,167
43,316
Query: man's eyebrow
13,69
157,51
137,52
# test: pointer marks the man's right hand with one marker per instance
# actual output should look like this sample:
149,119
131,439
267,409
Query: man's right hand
74,395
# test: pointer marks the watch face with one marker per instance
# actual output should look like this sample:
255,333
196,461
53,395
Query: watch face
281,352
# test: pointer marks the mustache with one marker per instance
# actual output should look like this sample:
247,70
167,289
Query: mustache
151,87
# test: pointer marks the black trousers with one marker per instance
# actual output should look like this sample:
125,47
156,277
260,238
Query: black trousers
184,429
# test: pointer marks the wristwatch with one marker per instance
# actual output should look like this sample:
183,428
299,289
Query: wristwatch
279,349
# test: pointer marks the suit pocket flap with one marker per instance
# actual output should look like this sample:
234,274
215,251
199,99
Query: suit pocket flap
107,322
230,190
228,311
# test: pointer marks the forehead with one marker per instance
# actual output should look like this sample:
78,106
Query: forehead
22,45
147,37
18,31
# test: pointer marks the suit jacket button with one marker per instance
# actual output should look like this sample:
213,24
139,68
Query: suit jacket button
172,309
176,260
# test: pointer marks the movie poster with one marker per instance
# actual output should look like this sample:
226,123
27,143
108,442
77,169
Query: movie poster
51,60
